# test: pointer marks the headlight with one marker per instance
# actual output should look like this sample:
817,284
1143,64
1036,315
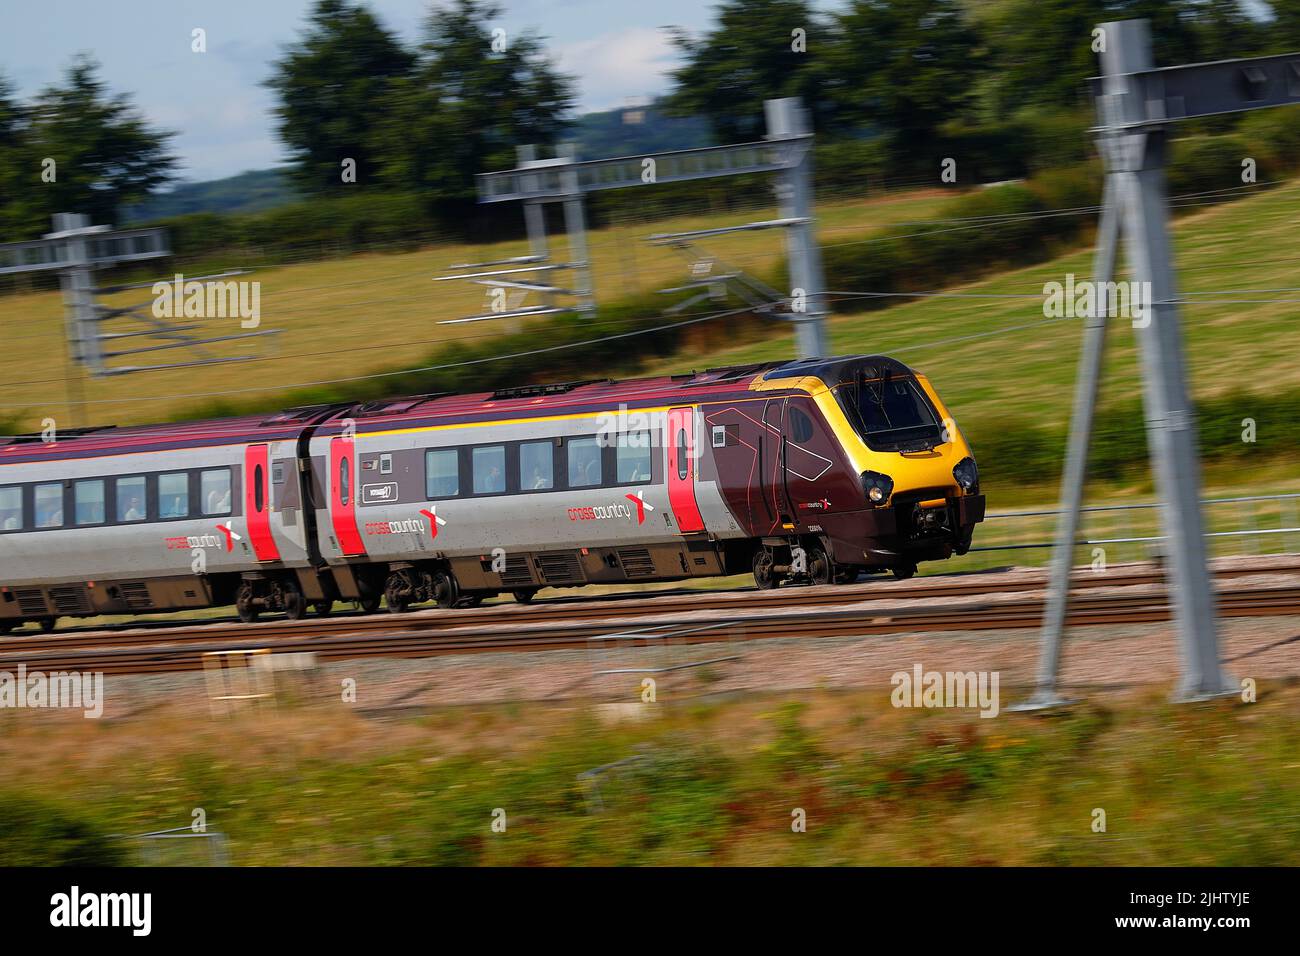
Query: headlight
877,487
966,474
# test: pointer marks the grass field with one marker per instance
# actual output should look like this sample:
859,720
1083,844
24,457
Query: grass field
378,311
712,783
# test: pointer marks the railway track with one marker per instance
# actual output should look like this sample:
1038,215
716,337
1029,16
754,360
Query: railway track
699,617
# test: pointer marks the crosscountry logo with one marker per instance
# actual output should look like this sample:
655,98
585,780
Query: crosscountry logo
231,535
432,514
642,506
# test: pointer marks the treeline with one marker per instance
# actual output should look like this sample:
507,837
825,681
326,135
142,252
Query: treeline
386,133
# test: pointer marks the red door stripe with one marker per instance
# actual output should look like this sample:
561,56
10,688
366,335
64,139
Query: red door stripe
257,470
682,469
343,496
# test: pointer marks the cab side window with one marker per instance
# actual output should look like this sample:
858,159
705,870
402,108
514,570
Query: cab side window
801,426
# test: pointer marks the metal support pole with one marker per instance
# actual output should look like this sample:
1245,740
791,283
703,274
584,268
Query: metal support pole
535,222
1136,207
1086,388
1171,419
77,282
575,224
787,118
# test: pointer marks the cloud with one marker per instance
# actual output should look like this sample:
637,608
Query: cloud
613,67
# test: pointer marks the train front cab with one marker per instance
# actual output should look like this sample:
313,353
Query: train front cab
909,491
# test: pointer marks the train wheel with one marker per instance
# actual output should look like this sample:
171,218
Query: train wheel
525,595
323,608
764,576
47,624
397,592
445,590
295,605
369,603
821,569
904,571
244,605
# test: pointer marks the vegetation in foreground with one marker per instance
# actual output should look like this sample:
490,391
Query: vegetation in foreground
710,783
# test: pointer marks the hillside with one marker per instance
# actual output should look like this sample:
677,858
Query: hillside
375,312
253,191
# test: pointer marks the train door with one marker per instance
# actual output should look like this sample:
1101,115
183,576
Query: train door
772,462
257,502
683,468
343,496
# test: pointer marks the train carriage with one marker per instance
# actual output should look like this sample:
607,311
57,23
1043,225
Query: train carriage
808,472
157,518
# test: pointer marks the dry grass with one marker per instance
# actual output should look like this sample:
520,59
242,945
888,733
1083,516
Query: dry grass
717,784
374,312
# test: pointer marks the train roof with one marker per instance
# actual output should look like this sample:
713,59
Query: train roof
524,401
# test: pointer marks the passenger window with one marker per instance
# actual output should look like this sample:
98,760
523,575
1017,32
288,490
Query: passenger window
130,498
214,491
632,458
174,495
345,483
536,467
681,454
584,462
441,473
489,470
89,499
11,509
801,426
49,505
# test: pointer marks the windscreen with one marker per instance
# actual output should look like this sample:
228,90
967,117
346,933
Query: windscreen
891,414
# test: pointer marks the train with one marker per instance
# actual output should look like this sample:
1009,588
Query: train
800,472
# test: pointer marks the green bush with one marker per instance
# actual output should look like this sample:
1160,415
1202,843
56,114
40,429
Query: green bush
1272,138
41,833
1020,451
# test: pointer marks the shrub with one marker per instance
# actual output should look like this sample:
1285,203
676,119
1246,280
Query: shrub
35,832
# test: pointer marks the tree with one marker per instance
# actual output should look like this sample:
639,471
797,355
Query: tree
473,95
1043,49
904,66
1284,31
16,181
759,50
104,153
331,86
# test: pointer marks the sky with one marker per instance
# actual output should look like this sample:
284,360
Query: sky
214,101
